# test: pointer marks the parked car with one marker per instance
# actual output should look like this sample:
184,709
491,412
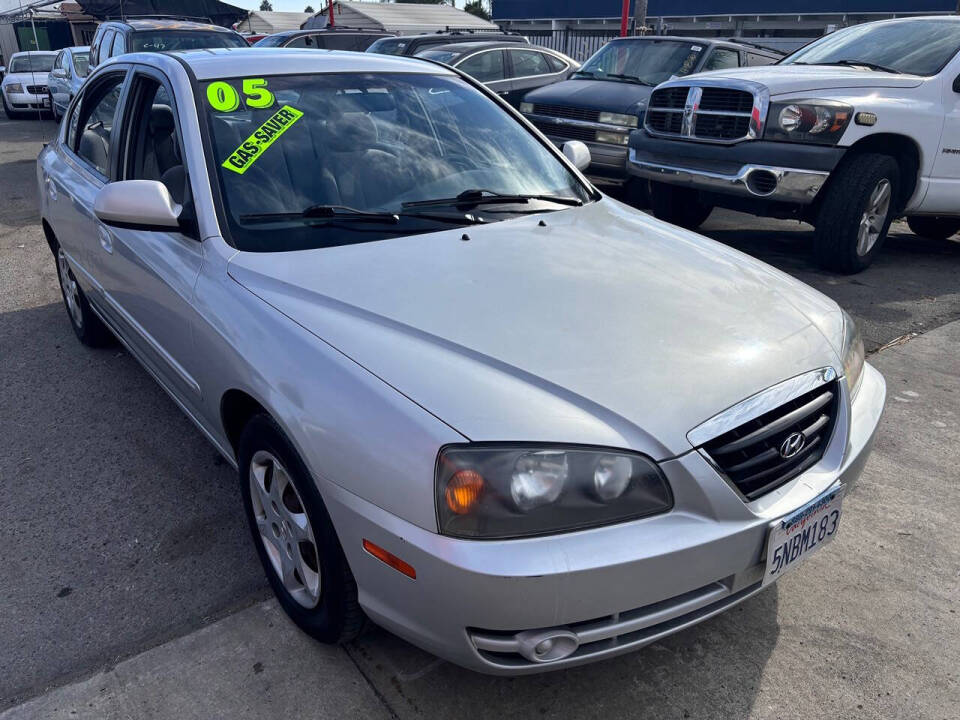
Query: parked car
410,45
605,99
469,397
70,69
335,38
117,37
509,69
24,87
846,133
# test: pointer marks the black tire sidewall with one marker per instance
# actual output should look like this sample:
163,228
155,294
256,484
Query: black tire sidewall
325,621
678,205
93,333
934,227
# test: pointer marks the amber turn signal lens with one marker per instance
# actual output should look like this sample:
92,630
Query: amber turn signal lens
390,559
463,491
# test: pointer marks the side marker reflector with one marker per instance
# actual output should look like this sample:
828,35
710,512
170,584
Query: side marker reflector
390,559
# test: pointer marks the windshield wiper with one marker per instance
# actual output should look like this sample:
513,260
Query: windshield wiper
586,73
478,196
326,212
630,78
854,63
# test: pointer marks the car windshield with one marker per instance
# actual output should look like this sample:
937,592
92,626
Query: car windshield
81,62
161,40
308,161
443,56
31,63
648,62
271,40
916,47
388,46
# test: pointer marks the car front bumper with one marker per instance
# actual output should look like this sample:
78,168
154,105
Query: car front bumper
784,172
26,101
485,604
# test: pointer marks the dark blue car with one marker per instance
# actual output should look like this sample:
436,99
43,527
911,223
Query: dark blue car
605,100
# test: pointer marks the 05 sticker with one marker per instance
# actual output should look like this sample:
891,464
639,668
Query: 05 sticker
250,150
223,97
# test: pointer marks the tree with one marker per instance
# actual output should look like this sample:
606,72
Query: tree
309,9
265,6
475,7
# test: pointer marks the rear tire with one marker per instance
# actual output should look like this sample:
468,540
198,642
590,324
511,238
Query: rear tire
678,205
855,216
934,227
294,536
88,328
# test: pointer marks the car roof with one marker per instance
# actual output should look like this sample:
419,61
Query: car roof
169,24
335,29
79,49
24,53
214,63
745,43
464,47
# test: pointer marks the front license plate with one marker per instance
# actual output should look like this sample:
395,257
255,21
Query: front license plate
45,102
796,537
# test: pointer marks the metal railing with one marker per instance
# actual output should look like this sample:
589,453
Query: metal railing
578,44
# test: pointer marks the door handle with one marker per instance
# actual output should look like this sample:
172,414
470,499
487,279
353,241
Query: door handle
106,241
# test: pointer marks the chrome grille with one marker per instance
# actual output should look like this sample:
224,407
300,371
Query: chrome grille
754,456
707,112
37,89
573,132
570,113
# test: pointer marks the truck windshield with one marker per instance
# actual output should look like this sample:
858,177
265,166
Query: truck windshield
161,40
916,47
649,62
312,161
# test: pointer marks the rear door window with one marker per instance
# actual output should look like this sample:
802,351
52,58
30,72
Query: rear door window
486,66
757,59
529,62
721,59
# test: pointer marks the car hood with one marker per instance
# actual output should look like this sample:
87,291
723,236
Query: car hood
604,95
604,326
37,78
785,79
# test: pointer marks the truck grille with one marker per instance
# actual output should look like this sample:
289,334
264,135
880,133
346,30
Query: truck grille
570,113
573,132
766,452
706,113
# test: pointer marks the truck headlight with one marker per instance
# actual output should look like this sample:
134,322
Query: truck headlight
853,354
514,490
618,119
808,121
526,108
14,88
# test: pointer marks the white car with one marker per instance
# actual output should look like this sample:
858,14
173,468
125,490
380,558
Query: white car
847,133
24,87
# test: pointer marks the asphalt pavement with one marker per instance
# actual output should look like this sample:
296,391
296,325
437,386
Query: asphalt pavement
127,565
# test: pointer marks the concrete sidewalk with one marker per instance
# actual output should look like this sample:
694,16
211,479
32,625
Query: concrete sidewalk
868,629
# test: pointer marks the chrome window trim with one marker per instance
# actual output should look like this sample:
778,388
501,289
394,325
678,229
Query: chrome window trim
694,85
760,403
553,120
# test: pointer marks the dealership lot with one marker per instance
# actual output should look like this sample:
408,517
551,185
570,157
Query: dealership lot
123,531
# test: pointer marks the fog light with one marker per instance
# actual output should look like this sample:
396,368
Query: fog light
612,138
543,646
526,107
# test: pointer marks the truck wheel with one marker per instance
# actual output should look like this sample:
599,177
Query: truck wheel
935,228
678,205
636,192
856,213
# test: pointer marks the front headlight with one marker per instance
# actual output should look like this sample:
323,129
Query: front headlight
526,108
613,138
618,119
853,353
14,88
808,121
508,491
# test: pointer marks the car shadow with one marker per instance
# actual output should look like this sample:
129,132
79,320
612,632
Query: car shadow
711,670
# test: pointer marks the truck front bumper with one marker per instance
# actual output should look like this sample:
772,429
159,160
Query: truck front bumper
488,604
784,172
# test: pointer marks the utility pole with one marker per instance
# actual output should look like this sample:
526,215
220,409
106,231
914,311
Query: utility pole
640,15
625,15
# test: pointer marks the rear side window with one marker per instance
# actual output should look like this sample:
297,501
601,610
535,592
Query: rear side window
96,123
721,59
484,66
757,59
304,41
556,64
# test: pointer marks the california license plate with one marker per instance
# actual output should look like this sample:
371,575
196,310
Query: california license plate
796,537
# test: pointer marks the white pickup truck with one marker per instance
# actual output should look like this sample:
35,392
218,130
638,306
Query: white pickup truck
847,133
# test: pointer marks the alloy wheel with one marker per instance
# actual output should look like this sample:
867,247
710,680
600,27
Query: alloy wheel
874,217
71,292
285,529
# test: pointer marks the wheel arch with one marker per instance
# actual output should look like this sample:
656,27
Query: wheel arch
901,148
237,408
51,236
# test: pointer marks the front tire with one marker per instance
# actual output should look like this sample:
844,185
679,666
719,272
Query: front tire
678,205
8,111
933,227
294,536
853,221
53,107
88,328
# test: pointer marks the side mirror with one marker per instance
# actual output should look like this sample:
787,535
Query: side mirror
956,83
58,73
137,205
577,153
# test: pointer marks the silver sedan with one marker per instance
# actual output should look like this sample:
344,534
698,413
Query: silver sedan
469,397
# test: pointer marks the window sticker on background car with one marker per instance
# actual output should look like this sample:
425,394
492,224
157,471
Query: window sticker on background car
263,137
224,97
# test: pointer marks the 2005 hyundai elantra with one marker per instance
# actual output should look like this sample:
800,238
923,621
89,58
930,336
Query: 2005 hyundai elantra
468,396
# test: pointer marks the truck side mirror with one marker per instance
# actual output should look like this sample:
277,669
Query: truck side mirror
956,84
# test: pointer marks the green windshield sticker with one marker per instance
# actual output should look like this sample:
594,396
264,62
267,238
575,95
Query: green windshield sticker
263,137
223,97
